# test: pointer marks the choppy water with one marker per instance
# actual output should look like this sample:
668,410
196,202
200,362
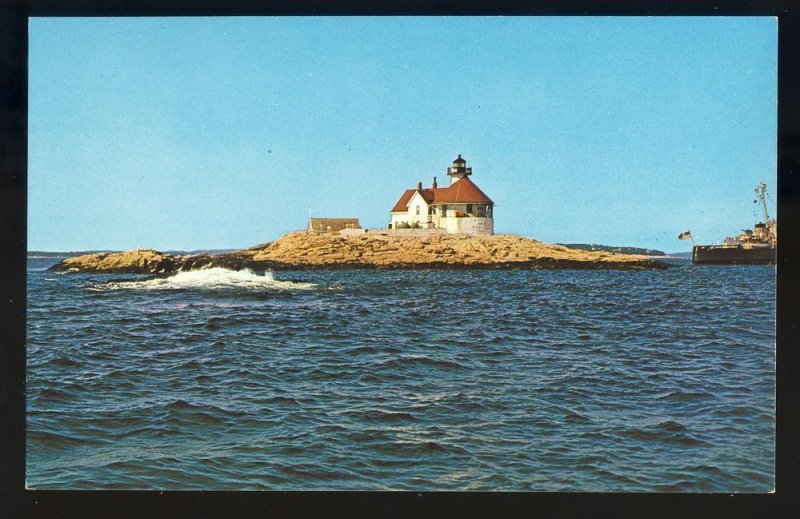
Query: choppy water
427,380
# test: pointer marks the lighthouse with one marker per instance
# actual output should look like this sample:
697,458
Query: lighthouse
458,170
460,208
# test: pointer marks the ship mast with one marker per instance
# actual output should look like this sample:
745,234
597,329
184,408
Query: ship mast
761,191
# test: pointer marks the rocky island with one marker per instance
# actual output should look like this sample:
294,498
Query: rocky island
308,250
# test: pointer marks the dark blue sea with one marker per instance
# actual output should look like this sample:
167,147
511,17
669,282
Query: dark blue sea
548,380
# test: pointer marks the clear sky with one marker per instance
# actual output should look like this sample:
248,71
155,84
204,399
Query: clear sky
189,133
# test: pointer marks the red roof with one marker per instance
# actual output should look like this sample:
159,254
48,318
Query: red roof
463,191
402,204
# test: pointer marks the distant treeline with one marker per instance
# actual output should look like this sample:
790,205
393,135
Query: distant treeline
42,254
50,254
620,250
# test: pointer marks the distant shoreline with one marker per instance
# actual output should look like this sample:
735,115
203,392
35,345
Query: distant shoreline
72,254
618,249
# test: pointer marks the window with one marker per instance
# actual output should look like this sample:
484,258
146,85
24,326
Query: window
444,210
417,210
469,208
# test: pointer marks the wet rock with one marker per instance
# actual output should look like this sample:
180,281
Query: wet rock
139,261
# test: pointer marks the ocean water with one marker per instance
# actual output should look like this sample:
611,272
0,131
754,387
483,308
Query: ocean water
411,380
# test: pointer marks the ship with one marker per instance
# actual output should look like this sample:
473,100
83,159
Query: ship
756,246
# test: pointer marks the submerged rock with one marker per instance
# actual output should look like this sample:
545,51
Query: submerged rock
302,250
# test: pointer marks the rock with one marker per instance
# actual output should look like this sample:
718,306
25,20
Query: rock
302,250
315,250
139,261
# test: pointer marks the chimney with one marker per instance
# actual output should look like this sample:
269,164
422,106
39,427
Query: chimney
419,186
434,182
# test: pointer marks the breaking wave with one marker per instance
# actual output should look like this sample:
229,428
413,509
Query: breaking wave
210,279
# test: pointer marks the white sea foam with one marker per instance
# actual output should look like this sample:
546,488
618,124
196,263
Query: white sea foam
211,279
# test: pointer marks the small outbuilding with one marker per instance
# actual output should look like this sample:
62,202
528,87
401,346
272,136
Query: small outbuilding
332,224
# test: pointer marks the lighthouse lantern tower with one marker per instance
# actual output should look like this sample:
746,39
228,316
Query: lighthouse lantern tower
458,170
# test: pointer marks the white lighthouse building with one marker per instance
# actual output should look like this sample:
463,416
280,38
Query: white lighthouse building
460,207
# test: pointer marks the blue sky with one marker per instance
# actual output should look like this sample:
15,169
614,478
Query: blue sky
187,133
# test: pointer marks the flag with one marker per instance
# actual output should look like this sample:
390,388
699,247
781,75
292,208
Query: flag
684,235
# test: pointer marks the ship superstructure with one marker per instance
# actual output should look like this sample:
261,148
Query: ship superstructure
752,246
